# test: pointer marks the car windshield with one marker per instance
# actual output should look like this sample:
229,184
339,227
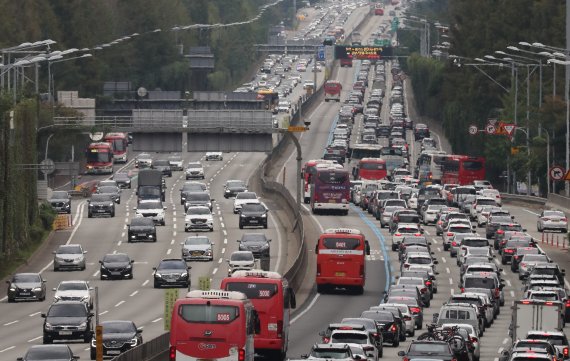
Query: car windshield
197,240
460,229
118,327
475,242
419,260
69,250
554,214
73,286
100,198
26,278
141,221
379,316
44,353
59,195
174,264
478,251
535,258
479,282
198,210
331,354
241,256
253,208
246,195
150,205
194,165
67,310
112,258
203,197
357,338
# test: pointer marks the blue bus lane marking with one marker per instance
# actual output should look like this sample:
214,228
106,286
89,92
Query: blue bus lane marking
382,241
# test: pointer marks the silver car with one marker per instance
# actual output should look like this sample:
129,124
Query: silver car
240,261
197,248
74,291
552,220
528,262
69,256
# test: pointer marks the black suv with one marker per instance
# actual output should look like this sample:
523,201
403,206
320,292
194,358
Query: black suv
67,320
61,202
116,265
141,228
100,204
421,131
257,243
172,272
233,187
253,214
164,166
123,180
113,191
118,337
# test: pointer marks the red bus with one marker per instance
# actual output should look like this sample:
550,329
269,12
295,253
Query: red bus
346,62
341,259
378,10
273,299
310,169
213,325
462,169
330,189
370,169
99,158
119,142
332,90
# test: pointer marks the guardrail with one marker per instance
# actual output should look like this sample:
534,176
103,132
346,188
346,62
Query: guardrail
154,350
523,198
559,200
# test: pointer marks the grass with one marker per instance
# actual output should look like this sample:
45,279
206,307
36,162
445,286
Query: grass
9,265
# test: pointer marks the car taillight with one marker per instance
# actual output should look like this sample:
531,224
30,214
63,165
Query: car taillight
568,303
564,219
428,283
407,318
397,234
462,289
241,354
172,353
497,292
423,290
405,359
406,265
509,250
454,244
393,328
523,264
473,339
362,270
417,234
565,352
500,231
280,328
326,339
449,234
439,222
415,310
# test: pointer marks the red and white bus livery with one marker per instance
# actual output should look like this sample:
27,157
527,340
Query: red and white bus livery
273,299
330,189
119,143
213,325
333,88
307,173
99,158
370,169
462,169
341,259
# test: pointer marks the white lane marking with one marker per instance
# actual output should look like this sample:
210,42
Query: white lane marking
134,293
145,283
119,303
11,323
497,263
174,225
223,250
224,232
215,270
169,251
313,301
174,213
500,350
34,339
512,294
452,291
102,313
443,259
447,270
34,314
509,283
120,242
505,341
96,273
438,249
226,242
220,260
222,224
122,234
434,241
7,349
531,212
426,232
450,280
173,233
156,320
172,242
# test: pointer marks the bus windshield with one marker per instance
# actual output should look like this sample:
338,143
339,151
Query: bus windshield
371,152
204,313
98,156
331,177
119,145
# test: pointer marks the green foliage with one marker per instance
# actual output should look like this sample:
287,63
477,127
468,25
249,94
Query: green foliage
47,215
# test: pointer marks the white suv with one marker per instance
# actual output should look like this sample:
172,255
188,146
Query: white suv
198,217
151,209
194,170
242,198
74,291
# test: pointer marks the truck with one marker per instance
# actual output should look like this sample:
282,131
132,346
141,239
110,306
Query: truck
149,185
530,315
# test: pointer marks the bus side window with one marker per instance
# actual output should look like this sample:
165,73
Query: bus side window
367,247
292,299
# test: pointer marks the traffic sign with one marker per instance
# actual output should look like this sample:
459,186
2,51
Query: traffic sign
492,121
47,166
567,176
490,129
296,129
515,150
510,129
473,129
321,53
556,173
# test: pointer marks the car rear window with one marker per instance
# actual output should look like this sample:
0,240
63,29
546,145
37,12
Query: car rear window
475,242
431,348
479,282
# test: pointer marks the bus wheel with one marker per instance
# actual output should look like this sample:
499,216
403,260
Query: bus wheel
359,290
321,288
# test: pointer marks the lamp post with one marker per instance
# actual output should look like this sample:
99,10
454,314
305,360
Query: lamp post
58,58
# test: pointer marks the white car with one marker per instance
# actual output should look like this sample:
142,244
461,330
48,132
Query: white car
431,212
482,184
308,84
416,258
403,230
492,193
214,156
74,291
242,198
194,170
473,337
284,106
452,229
240,261
360,338
483,214
481,201
151,209
144,160
176,162
553,220
198,217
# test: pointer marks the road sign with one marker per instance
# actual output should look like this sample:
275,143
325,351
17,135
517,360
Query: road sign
510,129
490,129
473,129
556,173
47,166
296,129
321,53
515,150
567,176
492,121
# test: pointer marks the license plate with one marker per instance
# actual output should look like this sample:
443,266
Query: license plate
170,280
116,273
100,211
65,333
254,221
142,234
340,274
25,294
195,253
332,200
113,352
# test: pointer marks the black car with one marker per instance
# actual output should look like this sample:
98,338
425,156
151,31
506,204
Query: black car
118,337
253,214
61,202
26,286
549,269
113,191
390,330
421,131
123,180
197,199
141,228
233,187
172,272
493,225
67,320
100,204
257,243
116,266
163,165
438,350
49,352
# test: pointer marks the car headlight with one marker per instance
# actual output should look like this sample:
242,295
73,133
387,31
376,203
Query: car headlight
111,204
90,205
129,266
134,342
157,275
83,325
93,343
56,298
85,298
12,289
264,216
184,275
48,326
227,191
103,267
209,252
37,289
242,215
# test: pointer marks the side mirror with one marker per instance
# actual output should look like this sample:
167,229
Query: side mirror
53,252
435,262
524,229
164,208
54,289
512,217
139,330
135,208
304,356
435,317
563,271
91,315
401,353
132,261
43,315
84,252
154,268
100,262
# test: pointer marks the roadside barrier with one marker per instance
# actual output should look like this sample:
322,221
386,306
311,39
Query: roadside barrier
555,239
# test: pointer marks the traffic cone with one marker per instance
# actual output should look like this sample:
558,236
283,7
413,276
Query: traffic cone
542,240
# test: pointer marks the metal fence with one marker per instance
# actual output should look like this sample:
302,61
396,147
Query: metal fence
153,350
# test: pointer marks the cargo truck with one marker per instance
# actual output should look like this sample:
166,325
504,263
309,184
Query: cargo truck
150,185
530,315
